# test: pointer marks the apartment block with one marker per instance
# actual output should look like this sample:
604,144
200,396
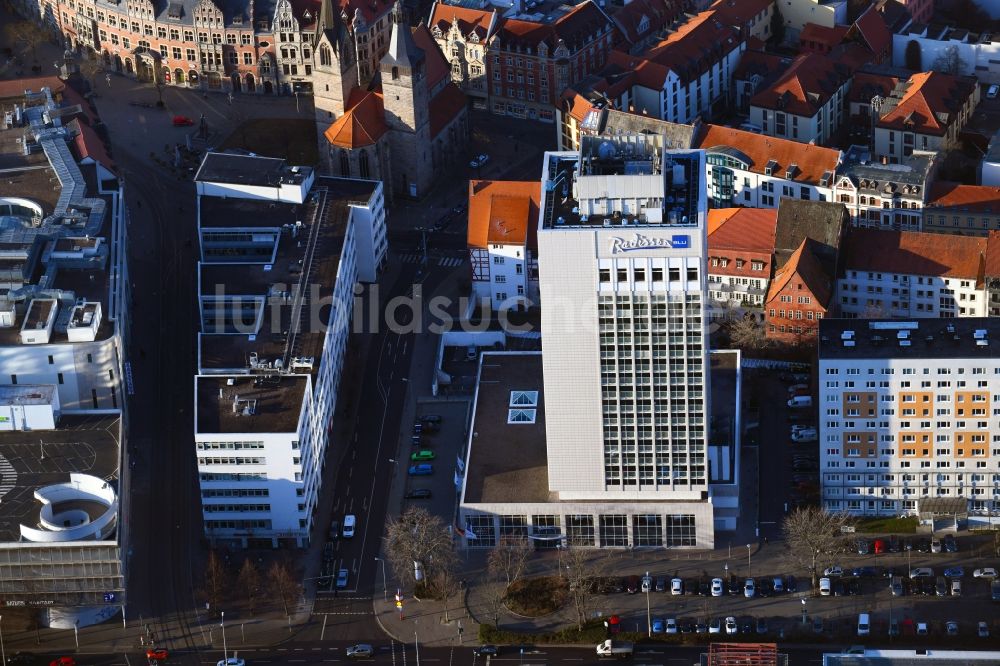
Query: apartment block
277,244
955,208
740,260
911,274
908,413
881,195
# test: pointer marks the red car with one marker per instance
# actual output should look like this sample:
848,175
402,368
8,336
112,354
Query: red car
63,661
182,121
157,654
879,546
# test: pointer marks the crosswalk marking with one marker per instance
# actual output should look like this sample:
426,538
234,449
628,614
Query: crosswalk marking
444,262
8,476
450,262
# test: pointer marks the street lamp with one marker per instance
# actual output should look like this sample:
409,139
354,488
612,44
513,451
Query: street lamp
909,550
749,573
803,610
225,649
385,594
649,621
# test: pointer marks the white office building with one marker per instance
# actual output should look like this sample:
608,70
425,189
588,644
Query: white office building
277,243
907,413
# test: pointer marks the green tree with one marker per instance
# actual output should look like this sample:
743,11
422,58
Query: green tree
777,26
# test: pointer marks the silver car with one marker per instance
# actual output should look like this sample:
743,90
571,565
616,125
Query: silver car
360,651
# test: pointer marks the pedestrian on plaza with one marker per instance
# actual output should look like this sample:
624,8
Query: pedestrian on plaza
230,99
107,79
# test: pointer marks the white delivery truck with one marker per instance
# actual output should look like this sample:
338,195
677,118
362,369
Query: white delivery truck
610,649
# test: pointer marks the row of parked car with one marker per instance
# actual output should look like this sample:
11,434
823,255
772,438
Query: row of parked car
421,457
894,544
706,587
716,625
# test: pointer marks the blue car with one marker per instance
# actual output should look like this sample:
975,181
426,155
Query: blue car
954,572
659,626
424,469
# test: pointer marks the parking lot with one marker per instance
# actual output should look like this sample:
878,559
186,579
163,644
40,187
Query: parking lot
442,440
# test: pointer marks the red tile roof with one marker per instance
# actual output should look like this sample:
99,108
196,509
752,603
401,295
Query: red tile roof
695,45
914,253
575,28
645,73
87,144
370,9
805,87
749,231
363,124
972,198
868,84
16,87
445,106
436,66
658,13
820,34
992,262
874,33
812,161
766,65
578,105
930,104
804,265
503,211
469,20
739,12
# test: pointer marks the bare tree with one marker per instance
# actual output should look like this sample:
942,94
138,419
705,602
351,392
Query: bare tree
949,61
580,572
249,582
216,582
494,591
509,558
813,537
747,333
283,585
444,580
417,537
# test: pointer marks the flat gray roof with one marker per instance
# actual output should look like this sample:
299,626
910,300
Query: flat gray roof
252,170
507,462
262,403
956,337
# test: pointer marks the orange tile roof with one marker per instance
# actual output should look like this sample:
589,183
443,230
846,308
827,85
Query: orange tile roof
445,106
645,72
88,144
469,20
739,12
914,253
820,34
747,229
575,28
695,45
16,87
580,106
503,211
363,124
804,264
974,198
930,104
812,161
805,87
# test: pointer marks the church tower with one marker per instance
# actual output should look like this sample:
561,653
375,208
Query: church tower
406,101
335,70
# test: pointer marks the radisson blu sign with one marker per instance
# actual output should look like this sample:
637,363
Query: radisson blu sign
640,242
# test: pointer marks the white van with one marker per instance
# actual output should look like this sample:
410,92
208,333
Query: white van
800,401
349,523
864,624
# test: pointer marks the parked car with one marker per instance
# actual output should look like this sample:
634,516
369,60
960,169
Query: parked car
677,586
342,577
818,625
423,454
661,584
479,161
802,436
704,587
992,91
983,630
419,493
922,545
794,388
717,588
701,628
800,402
922,629
430,418
157,654
791,585
951,628
921,572
824,587
671,626
778,584
423,469
731,627
893,627
735,586
715,626
878,546
646,584
941,586
762,625
950,543
659,625
360,651
956,587
486,651
935,545
895,544
995,590
749,589
833,571
862,546
986,572
181,121
896,586
954,572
